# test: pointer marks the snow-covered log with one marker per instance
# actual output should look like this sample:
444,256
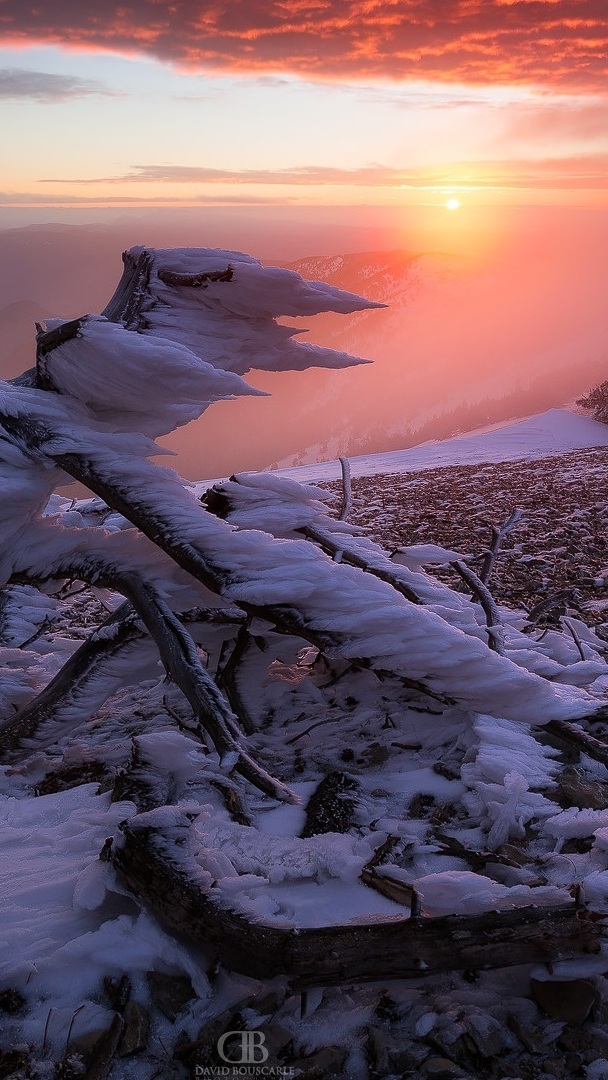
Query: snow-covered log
157,867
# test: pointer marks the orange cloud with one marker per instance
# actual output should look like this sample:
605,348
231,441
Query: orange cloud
548,42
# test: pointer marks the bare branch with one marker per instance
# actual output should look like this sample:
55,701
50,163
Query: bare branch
347,494
488,604
498,535
77,679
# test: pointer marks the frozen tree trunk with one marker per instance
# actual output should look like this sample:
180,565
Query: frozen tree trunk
330,955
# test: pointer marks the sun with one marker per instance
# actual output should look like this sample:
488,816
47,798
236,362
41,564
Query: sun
452,203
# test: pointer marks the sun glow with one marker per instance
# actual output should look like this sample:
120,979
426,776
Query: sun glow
452,203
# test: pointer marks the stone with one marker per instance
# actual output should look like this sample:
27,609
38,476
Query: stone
501,1070
134,1038
527,1036
325,1064
15,1063
391,1051
555,1066
576,789
11,1001
86,1046
486,1034
170,993
276,1040
570,1000
97,1048
440,1068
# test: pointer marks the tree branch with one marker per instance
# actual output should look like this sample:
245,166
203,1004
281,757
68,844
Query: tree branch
487,602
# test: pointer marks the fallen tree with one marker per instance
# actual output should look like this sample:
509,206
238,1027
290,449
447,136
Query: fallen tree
179,333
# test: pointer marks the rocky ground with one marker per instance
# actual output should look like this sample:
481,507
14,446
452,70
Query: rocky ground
555,558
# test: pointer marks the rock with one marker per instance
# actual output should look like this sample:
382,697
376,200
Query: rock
11,1001
267,1000
486,1034
529,1037
576,789
135,1034
15,1063
97,1049
501,1070
555,1066
597,1044
570,1000
325,1064
85,1046
170,993
332,805
440,1068
276,1040
573,1063
573,1039
391,1051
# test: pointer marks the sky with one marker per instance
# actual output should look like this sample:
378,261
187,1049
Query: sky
295,103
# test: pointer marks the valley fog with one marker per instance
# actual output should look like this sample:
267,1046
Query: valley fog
491,314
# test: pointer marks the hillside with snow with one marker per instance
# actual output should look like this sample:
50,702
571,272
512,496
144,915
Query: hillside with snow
554,432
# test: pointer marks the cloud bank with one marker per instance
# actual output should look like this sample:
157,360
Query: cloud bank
582,171
43,86
557,43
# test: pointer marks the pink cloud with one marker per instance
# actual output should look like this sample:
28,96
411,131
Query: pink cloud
583,171
548,42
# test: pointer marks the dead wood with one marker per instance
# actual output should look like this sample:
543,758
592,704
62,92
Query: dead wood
347,491
212,715
196,281
329,955
78,681
227,680
498,535
580,739
488,605
328,543
74,679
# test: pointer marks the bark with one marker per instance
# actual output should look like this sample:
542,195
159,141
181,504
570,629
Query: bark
352,557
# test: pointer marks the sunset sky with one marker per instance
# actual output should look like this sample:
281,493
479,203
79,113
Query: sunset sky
291,102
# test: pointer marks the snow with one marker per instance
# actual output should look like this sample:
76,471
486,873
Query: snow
553,432
341,672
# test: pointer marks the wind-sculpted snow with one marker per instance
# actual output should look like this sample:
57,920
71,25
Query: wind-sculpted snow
138,382
222,305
